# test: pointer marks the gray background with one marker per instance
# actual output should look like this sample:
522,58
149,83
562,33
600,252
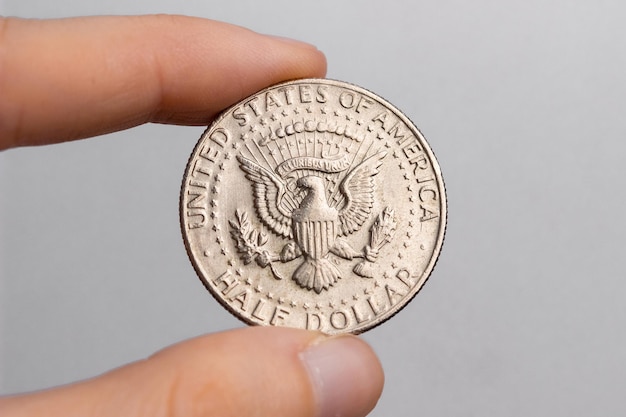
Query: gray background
522,101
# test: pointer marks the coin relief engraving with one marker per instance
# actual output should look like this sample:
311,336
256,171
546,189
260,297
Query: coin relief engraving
313,204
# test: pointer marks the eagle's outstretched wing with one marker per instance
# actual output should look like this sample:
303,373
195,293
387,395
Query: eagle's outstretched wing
358,190
269,197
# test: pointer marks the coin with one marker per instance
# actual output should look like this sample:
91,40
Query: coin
313,204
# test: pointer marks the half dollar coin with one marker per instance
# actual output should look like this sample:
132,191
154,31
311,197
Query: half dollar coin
313,204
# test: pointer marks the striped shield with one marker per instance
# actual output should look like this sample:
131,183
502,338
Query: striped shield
315,237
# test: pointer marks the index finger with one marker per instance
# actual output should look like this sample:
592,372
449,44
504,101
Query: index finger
73,78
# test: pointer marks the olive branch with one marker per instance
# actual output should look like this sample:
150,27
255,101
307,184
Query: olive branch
250,242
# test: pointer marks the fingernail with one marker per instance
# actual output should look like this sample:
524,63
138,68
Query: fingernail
292,41
345,374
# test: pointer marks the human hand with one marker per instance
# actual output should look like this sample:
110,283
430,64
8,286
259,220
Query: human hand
68,79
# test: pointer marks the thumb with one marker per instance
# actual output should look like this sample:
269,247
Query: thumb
256,371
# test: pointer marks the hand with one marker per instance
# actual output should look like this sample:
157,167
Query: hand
68,79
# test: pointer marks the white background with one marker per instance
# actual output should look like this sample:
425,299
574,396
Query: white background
522,102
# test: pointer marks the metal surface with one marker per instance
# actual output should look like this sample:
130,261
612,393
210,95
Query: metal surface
313,204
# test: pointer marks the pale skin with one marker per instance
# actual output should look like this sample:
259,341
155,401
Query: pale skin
69,79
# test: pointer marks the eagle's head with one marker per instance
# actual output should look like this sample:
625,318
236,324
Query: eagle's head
311,182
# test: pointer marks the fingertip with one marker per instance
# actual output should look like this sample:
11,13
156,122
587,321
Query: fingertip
314,65
346,376
287,371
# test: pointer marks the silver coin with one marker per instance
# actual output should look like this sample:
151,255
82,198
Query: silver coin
313,204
